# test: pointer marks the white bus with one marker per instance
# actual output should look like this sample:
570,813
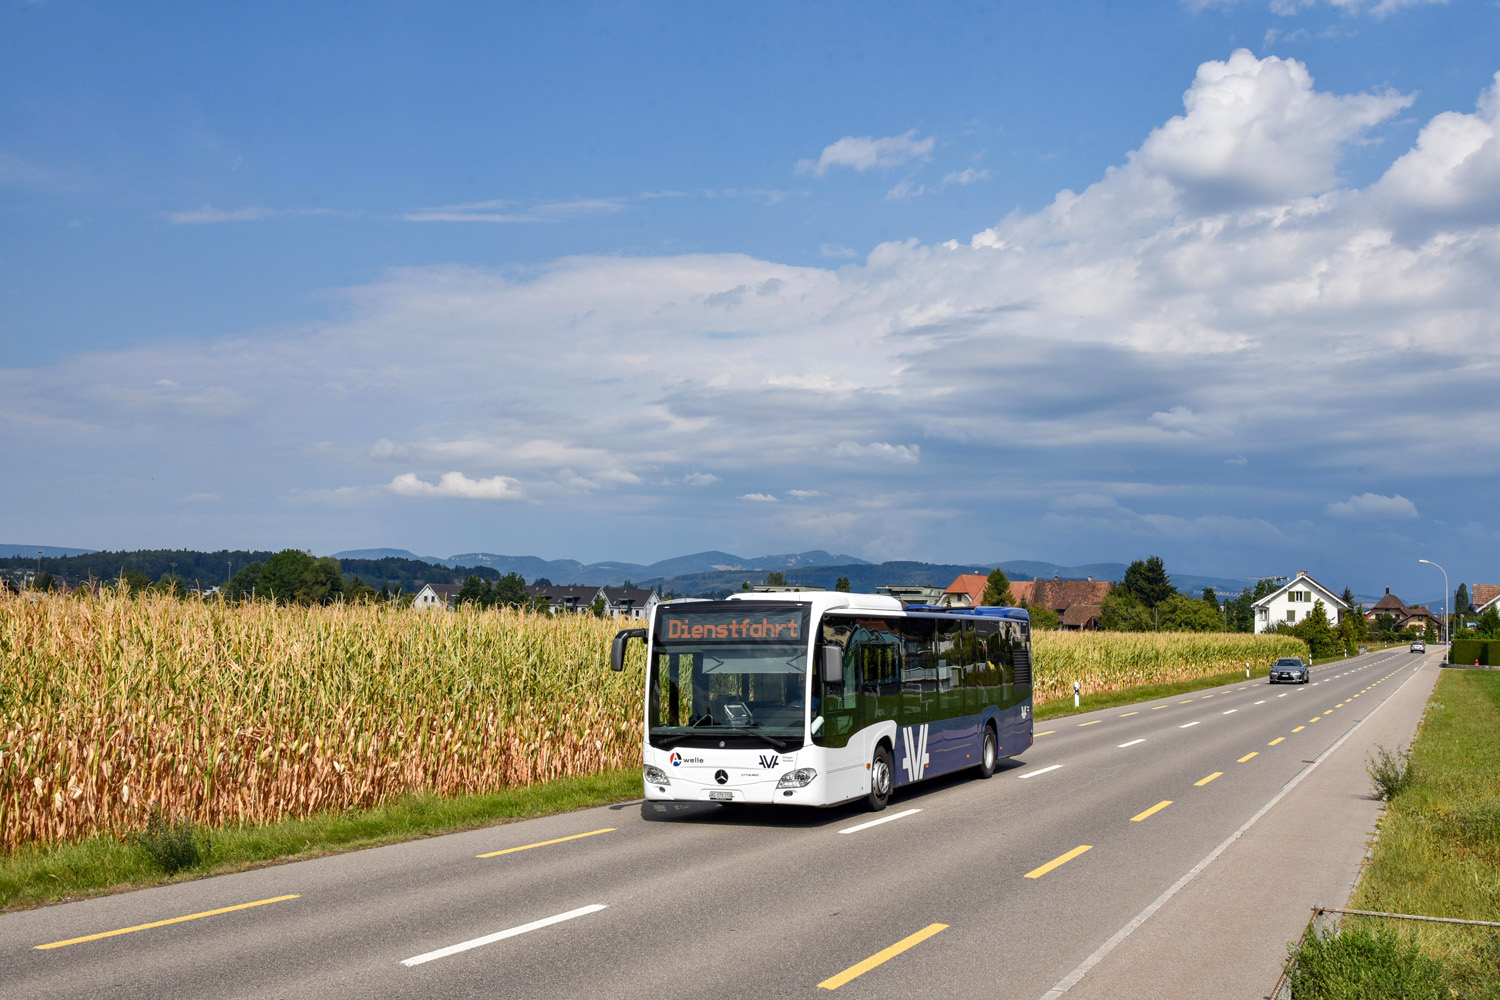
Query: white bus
822,698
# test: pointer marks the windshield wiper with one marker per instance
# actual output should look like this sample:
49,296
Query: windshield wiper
667,741
773,741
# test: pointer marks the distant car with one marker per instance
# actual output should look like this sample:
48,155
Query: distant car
1291,669
1419,646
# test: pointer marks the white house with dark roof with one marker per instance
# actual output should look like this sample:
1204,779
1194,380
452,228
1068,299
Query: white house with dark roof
436,595
572,598
633,602
1294,602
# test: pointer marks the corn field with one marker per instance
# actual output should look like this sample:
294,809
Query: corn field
1109,661
251,713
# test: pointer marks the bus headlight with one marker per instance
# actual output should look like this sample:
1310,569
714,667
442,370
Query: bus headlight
656,776
799,778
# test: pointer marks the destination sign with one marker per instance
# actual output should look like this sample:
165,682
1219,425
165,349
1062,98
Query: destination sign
731,626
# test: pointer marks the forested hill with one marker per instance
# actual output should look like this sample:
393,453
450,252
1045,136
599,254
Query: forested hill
211,569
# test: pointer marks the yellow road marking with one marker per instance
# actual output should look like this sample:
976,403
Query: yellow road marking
881,957
1329,712
163,923
1158,708
545,843
1211,777
1299,729
1129,714
1094,723
1318,719
1154,809
1206,696
1047,733
1188,702
1247,756
1275,741
1062,860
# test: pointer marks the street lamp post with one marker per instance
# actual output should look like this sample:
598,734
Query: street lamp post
1445,598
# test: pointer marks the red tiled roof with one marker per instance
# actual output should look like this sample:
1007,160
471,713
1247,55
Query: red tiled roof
970,584
1081,615
1390,602
1060,595
1483,593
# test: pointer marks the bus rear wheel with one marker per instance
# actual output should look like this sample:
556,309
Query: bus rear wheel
989,755
882,778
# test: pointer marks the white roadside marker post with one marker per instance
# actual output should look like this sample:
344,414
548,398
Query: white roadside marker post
1075,694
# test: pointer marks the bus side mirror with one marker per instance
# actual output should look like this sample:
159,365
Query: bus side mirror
833,665
617,648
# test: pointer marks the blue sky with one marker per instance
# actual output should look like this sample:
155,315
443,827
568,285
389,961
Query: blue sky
1066,281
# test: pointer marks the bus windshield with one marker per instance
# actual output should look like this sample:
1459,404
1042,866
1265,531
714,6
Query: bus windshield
729,673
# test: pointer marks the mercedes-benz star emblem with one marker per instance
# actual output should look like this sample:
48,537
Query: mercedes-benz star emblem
722,777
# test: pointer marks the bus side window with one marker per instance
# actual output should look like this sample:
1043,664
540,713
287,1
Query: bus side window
836,702
948,644
987,677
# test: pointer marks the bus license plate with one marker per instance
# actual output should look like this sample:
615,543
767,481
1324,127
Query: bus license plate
721,796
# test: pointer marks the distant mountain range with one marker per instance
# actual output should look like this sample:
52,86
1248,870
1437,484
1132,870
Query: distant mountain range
716,572
612,574
701,573
47,551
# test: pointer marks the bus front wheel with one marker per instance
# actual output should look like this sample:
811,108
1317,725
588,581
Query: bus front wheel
882,778
989,756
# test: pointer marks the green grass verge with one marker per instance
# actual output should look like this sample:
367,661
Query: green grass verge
104,865
1060,707
1438,852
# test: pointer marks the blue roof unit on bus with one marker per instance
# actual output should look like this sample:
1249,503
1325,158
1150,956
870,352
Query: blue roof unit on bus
982,611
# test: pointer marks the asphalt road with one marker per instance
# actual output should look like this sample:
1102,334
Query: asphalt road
967,888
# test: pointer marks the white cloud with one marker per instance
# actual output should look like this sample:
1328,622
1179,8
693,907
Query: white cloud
867,153
834,250
904,190
1373,505
1179,419
1287,8
456,484
759,497
208,215
1454,170
1255,131
878,450
504,211
804,494
968,175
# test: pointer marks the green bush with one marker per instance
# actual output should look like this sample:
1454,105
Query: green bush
172,842
1359,965
1391,772
1466,651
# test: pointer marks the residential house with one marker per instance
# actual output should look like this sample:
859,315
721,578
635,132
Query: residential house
1077,602
1294,601
1484,596
620,602
966,591
436,595
1406,617
573,598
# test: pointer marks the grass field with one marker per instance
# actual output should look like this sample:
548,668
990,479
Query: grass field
1438,851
